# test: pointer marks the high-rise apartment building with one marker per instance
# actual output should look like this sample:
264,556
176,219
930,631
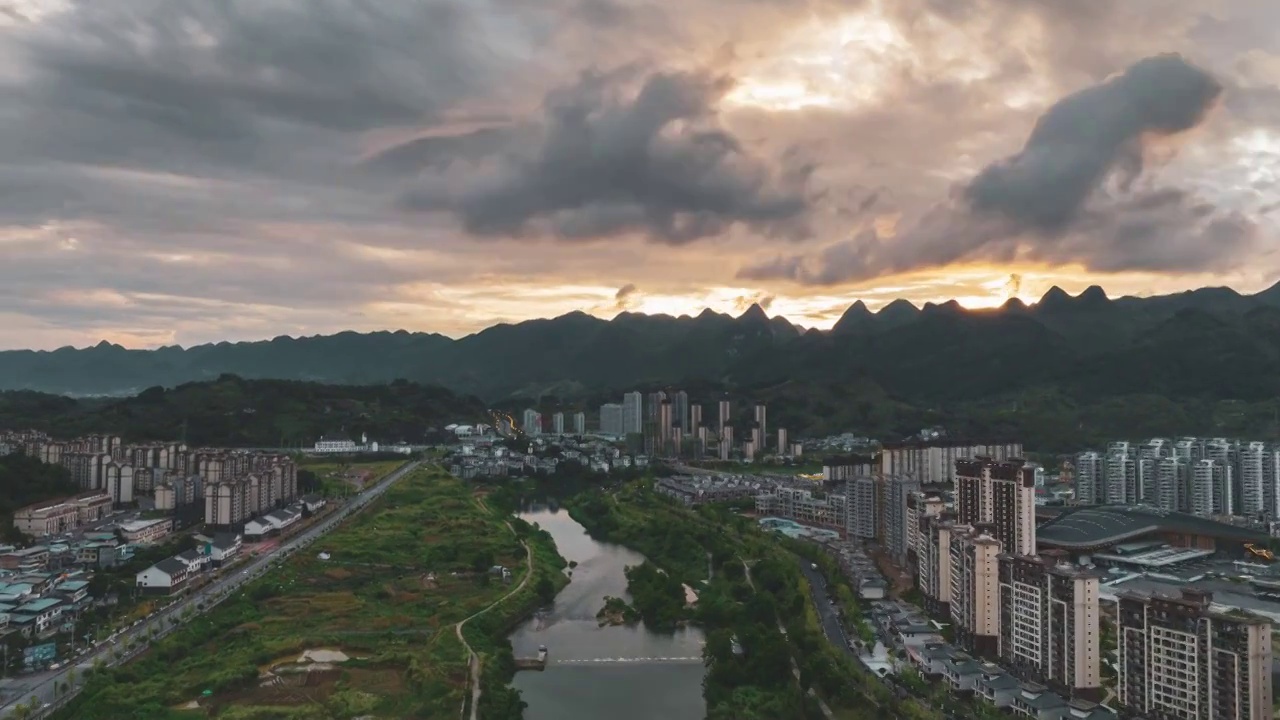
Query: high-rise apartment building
1172,483
680,412
1178,658
1000,493
762,423
932,462
1090,479
919,506
531,423
726,442
723,416
665,427
1252,478
1206,475
975,590
557,423
1120,485
933,565
695,419
612,419
757,436
784,447
632,413
862,497
843,467
579,423
1049,622
895,493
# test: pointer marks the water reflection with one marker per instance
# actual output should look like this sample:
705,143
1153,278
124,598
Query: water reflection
606,685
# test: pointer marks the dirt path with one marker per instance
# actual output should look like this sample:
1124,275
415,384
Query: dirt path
474,659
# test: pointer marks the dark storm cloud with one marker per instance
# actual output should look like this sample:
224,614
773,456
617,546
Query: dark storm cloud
612,163
1083,138
1051,202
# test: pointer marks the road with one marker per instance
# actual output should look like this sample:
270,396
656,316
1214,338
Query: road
46,688
473,666
826,611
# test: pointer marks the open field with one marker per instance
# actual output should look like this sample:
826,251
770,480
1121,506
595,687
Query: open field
339,478
399,576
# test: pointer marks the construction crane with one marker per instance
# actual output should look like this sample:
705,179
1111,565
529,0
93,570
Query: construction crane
1261,553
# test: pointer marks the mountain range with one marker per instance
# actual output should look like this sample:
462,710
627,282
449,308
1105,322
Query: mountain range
1061,373
1211,342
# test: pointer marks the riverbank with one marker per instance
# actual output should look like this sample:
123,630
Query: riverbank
757,666
398,578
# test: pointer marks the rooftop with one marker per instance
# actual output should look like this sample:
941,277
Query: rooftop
1106,525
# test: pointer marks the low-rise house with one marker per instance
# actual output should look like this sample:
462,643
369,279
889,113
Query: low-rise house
997,688
17,592
45,611
962,673
146,532
873,588
23,624
73,591
1085,710
917,634
313,502
166,576
26,559
1037,701
100,554
196,561
931,659
223,548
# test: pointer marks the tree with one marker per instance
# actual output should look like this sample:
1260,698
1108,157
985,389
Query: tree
545,589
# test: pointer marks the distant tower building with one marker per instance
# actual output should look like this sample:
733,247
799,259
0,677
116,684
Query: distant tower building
579,423
797,449
1252,481
632,413
783,446
1172,484
557,423
749,450
1089,479
680,412
532,422
757,436
1122,474
700,449
611,419
664,430
762,423
695,419
724,419
1204,478
726,442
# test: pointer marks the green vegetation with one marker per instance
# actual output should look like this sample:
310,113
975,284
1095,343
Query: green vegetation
755,671
402,574
341,478
657,596
25,481
616,611
234,412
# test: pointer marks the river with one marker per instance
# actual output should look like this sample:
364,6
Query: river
570,689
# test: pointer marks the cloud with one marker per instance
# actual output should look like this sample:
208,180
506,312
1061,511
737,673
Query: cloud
252,161
616,159
1075,193
622,300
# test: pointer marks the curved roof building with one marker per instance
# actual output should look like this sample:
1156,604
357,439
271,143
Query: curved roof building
1099,526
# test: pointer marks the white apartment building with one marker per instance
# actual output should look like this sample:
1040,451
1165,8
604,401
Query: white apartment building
933,563
1090,476
611,422
933,462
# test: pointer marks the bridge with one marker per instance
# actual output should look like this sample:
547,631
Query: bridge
542,663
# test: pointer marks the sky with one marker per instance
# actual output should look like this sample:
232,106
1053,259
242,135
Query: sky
188,171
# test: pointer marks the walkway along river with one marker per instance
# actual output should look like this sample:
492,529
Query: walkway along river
620,673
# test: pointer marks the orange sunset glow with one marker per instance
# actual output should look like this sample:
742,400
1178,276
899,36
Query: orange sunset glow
171,186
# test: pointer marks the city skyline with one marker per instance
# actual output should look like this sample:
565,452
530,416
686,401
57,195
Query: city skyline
442,167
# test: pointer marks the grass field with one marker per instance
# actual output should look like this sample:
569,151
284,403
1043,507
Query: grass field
340,479
400,575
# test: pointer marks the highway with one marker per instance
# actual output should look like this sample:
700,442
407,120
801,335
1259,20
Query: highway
45,688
